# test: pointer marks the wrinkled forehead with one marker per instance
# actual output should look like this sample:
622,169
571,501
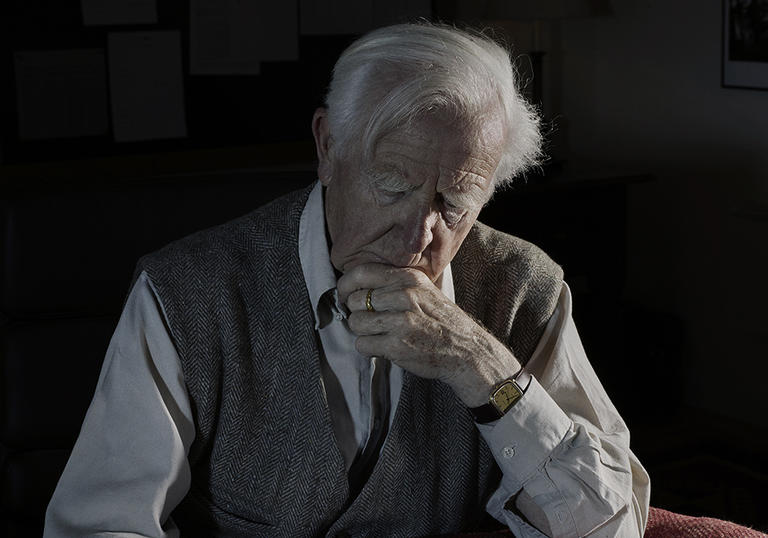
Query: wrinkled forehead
457,149
467,132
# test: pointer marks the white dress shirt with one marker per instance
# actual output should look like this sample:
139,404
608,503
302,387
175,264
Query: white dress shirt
346,374
563,448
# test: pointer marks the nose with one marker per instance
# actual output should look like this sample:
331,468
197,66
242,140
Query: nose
418,229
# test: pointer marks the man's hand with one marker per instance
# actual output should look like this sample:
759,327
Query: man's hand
422,331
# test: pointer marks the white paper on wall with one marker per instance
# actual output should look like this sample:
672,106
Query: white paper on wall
103,12
61,93
329,17
386,12
146,85
229,37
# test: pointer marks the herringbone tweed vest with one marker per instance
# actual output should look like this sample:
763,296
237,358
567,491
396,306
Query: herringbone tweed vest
264,460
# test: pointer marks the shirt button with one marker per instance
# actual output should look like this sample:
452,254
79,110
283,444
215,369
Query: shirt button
338,316
508,452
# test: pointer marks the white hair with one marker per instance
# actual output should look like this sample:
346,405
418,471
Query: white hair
396,74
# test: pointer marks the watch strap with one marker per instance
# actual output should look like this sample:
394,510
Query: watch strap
523,379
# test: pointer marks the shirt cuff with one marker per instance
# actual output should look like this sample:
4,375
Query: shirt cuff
525,437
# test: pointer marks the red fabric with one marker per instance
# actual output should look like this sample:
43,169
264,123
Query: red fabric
665,524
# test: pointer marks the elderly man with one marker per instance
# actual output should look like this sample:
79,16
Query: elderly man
362,357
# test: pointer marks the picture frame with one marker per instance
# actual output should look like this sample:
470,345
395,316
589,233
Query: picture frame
745,44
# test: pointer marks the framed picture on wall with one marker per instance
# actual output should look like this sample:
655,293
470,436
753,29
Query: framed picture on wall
745,44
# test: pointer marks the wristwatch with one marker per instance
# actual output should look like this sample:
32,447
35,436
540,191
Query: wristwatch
502,398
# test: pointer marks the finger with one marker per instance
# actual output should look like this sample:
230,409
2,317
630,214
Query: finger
370,274
378,345
364,323
358,301
376,275
384,300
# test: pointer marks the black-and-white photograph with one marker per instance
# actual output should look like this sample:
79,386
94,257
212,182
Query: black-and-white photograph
745,43
748,31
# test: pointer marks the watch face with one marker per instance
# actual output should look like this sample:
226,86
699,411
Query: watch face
506,396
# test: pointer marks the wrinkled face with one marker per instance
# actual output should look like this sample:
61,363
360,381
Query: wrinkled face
415,202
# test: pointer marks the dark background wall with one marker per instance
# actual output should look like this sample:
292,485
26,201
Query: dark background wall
641,90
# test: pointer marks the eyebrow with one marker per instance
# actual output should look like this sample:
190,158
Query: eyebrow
390,177
472,196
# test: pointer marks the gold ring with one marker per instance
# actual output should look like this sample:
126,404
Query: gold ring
368,303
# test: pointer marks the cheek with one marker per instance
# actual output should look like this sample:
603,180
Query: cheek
356,227
360,219
342,211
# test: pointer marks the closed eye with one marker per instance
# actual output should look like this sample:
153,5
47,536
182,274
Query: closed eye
390,187
452,213
388,196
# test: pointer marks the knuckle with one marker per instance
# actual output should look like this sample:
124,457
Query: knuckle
344,289
414,276
411,297
409,319
355,298
380,323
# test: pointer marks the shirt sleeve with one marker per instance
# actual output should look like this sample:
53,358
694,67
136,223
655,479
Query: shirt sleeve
564,450
128,469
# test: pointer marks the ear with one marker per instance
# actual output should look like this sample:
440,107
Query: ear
322,144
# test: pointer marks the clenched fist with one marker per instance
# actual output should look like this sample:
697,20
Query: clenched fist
418,328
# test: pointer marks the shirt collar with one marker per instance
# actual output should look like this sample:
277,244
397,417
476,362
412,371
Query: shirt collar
314,254
315,259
